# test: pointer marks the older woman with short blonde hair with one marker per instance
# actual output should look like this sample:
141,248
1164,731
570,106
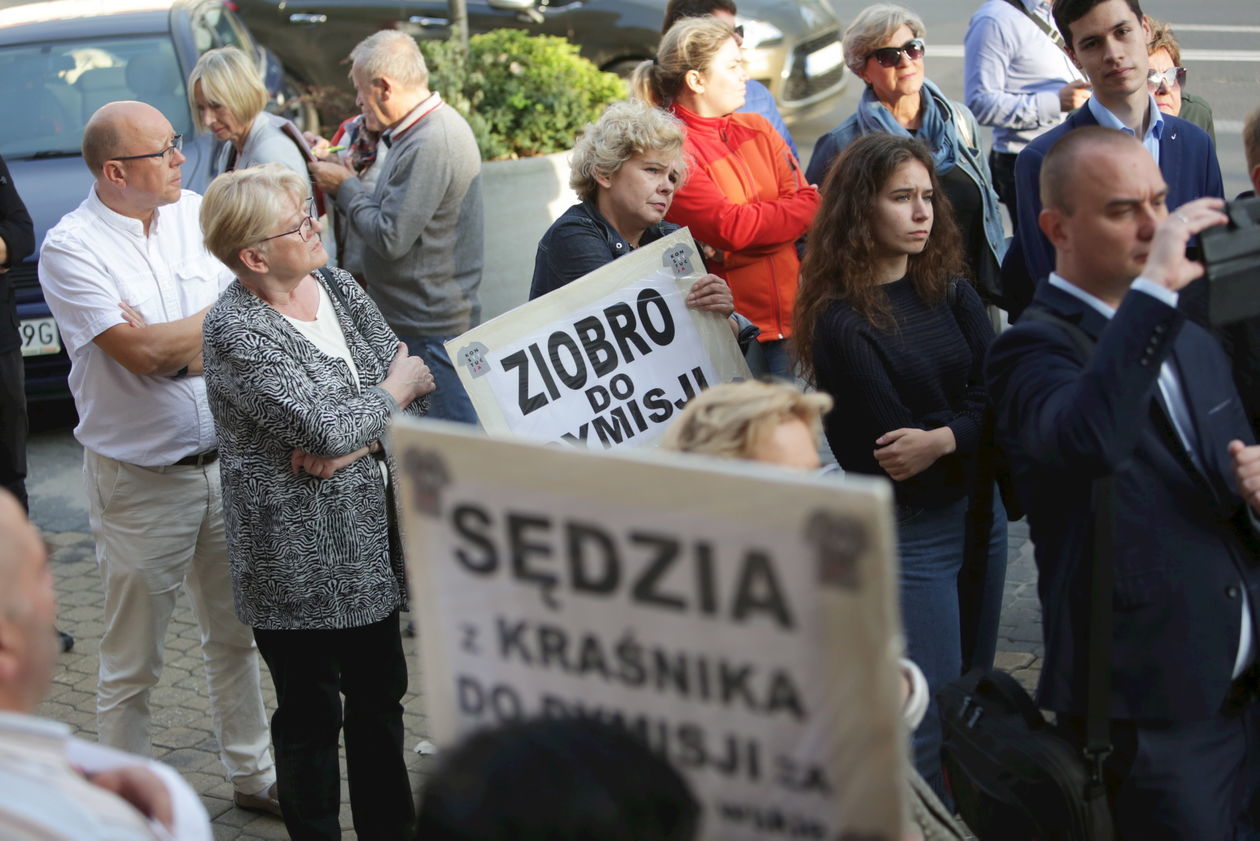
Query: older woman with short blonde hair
230,98
303,377
746,420
625,168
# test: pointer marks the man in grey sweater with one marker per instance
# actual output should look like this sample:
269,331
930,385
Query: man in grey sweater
423,224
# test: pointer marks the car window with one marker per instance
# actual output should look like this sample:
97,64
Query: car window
214,27
57,86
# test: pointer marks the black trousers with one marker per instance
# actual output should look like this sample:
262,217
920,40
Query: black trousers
1002,170
1169,781
311,671
13,424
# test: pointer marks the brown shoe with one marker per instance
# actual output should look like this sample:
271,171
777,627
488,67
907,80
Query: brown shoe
266,802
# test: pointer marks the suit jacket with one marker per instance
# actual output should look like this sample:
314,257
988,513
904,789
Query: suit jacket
1185,546
1187,159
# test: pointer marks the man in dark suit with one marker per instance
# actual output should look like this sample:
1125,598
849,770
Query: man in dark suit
1107,39
1152,404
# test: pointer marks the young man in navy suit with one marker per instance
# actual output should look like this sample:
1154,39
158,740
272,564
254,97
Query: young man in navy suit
1152,404
1107,40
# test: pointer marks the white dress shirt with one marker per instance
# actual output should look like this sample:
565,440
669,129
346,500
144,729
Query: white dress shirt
1179,413
44,796
95,258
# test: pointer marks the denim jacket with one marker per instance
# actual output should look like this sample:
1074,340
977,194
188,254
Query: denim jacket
970,159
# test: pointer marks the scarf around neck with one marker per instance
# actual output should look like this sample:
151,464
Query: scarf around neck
936,123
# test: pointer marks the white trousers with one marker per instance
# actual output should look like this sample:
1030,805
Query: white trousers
156,528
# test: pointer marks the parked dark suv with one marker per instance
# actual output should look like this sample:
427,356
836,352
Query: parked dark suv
59,62
793,47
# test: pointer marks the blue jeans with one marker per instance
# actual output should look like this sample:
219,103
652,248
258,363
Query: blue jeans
931,543
980,597
449,401
778,361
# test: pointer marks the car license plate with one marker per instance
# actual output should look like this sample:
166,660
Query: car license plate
821,62
40,337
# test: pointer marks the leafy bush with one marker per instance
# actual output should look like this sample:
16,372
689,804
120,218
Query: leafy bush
522,94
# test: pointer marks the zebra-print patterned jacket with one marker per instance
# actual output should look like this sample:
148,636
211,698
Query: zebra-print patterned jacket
305,553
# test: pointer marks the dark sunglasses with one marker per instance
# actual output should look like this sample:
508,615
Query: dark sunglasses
1173,76
739,32
891,56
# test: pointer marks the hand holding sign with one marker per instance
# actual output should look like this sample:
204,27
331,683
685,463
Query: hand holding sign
711,293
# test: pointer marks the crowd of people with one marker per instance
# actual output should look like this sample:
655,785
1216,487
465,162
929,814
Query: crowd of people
238,357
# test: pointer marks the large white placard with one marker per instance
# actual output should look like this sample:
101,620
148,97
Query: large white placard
606,361
739,617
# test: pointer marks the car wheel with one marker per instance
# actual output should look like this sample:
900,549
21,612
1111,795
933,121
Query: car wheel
294,102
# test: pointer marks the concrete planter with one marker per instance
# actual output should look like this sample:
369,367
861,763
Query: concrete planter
522,198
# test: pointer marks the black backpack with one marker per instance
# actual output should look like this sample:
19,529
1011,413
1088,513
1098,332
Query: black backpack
1013,775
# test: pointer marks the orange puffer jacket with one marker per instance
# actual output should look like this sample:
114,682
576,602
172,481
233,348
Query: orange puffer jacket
746,196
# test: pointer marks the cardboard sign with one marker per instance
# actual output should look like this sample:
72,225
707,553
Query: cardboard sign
741,618
606,361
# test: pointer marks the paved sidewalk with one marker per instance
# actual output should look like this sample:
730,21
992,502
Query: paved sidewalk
181,719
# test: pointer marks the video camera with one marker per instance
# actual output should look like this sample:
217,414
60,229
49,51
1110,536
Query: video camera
1231,255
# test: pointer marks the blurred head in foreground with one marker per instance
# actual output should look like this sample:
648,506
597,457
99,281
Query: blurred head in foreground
754,420
561,779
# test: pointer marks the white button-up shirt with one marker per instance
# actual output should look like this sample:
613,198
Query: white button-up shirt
95,258
44,797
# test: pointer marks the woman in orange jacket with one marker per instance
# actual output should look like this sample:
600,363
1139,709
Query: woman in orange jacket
746,197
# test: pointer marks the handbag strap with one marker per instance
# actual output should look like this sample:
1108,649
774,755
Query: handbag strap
1102,581
326,275
1051,32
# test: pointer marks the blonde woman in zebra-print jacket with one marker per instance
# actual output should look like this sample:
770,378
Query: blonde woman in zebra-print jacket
303,376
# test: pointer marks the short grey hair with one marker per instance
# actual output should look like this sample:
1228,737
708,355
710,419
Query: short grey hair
625,129
241,207
872,27
391,54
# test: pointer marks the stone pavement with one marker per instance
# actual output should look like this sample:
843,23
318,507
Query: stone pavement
181,721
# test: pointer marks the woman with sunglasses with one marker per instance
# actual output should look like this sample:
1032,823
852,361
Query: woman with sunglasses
885,326
1166,80
884,47
745,198
303,377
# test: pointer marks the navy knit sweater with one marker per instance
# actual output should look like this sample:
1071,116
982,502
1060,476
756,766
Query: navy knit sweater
925,373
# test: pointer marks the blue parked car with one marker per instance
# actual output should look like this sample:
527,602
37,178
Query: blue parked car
61,60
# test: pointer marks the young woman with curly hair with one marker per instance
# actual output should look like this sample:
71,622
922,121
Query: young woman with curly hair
885,325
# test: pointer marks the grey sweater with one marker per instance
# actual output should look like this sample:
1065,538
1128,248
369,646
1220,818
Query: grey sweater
423,227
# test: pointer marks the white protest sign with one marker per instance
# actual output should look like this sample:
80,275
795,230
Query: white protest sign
607,360
739,617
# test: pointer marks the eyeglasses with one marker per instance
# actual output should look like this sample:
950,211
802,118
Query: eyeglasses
1173,77
739,32
891,56
305,230
177,144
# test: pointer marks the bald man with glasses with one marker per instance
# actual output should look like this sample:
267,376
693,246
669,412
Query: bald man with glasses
129,282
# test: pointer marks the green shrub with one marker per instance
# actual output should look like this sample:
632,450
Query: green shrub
522,94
